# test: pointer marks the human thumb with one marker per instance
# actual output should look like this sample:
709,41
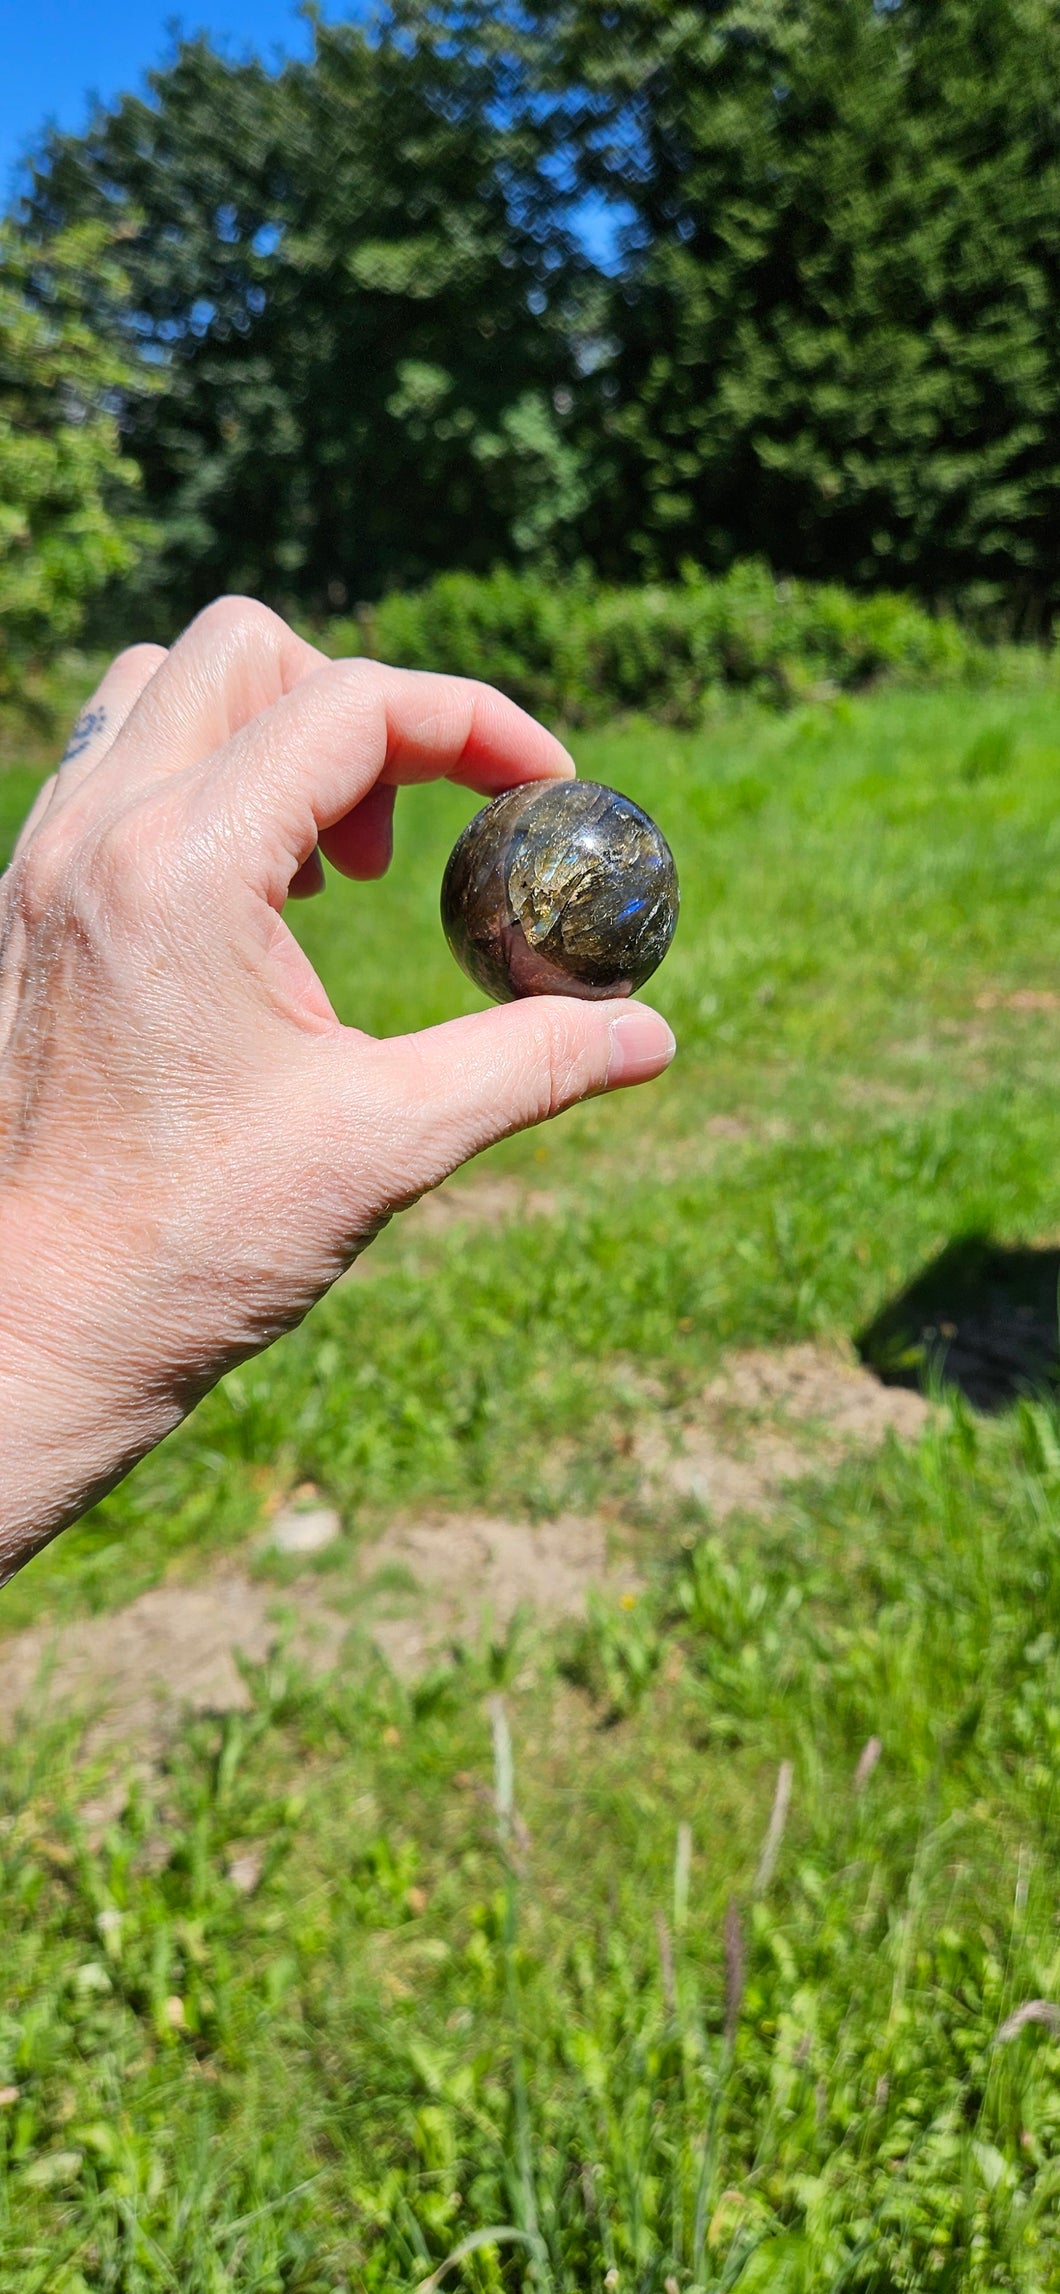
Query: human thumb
452,1090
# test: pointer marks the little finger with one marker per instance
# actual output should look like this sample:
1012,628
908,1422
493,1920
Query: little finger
97,728
102,718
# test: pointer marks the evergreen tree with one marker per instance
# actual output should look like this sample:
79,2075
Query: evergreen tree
829,337
835,325
356,335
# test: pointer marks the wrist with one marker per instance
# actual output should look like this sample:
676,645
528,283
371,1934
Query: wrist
73,1418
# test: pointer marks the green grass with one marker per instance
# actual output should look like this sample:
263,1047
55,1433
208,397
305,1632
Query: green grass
415,2029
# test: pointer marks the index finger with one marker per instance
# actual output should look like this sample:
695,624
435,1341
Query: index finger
306,763
452,728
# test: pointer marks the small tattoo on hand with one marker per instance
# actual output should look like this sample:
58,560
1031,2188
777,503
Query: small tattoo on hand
89,723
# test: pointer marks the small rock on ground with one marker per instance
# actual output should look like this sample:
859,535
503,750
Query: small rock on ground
302,1529
245,1865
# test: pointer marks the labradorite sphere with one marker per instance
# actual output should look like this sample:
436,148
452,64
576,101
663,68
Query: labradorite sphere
560,888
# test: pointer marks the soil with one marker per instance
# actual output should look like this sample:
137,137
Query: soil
694,1461
477,1571
767,1420
728,1127
132,1671
771,1418
817,1388
1019,1000
176,1647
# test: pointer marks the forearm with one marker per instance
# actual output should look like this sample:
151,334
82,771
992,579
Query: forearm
49,1476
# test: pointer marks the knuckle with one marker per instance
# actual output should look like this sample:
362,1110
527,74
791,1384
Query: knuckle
115,848
561,1064
239,622
139,661
84,870
39,877
356,673
353,687
130,859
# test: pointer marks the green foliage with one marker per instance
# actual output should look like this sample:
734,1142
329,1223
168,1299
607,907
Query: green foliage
834,331
828,336
67,527
577,651
544,2012
356,339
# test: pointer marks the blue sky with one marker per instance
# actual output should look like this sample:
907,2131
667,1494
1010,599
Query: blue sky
54,54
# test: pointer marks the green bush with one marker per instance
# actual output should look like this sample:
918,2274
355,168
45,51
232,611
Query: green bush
580,652
67,489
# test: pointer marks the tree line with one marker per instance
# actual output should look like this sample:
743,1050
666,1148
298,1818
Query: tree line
620,284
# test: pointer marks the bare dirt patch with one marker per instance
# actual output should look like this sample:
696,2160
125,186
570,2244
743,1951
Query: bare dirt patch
132,1672
1018,1000
817,1387
474,1569
728,1127
768,1419
875,1091
694,1461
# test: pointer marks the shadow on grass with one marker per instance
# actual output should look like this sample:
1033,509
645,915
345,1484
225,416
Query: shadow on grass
981,1317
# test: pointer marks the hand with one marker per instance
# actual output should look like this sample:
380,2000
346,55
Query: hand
191,1145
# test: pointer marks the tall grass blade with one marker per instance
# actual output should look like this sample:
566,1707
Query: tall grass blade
682,1876
773,1842
499,2234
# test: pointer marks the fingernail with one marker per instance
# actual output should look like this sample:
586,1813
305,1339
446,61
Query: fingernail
641,1046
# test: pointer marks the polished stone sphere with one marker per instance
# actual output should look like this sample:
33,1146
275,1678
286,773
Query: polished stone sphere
560,888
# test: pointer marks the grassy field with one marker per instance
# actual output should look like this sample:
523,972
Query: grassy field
586,2012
